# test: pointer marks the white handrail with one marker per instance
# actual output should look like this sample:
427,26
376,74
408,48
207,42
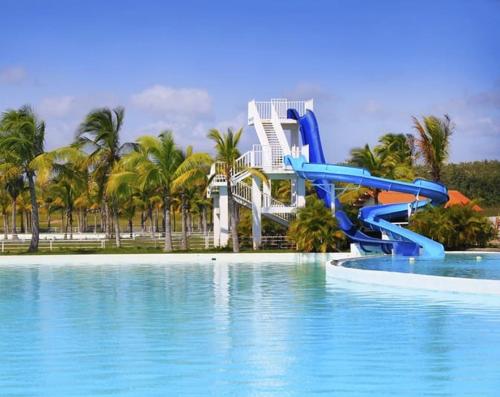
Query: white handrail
281,105
243,192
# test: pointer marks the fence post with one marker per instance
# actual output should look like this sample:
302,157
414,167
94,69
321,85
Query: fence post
3,246
50,244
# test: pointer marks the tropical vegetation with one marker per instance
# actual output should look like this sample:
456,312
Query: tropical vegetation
155,187
315,229
457,227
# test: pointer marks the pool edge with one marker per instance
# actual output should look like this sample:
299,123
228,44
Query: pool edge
335,269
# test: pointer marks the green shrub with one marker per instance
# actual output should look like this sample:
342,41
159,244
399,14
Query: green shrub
457,227
315,229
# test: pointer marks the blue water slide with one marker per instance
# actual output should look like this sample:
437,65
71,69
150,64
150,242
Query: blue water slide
401,241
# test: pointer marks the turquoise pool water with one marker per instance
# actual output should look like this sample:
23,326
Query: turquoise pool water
479,266
234,330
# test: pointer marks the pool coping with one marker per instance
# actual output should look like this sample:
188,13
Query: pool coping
168,258
335,269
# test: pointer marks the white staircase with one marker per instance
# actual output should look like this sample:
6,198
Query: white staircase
242,191
242,194
270,121
272,138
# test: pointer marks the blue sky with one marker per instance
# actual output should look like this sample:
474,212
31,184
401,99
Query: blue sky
190,66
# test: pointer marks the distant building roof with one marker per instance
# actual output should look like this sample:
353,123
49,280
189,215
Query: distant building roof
455,198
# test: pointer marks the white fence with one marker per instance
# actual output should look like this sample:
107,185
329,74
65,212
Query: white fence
196,241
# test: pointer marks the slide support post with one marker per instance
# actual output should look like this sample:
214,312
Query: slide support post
332,198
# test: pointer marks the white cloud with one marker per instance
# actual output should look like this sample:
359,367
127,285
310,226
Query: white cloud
185,132
12,75
182,102
56,106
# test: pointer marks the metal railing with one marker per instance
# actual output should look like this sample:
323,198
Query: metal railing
242,192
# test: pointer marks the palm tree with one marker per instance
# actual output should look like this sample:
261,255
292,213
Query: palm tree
49,202
100,132
22,137
14,187
397,147
433,142
315,229
366,158
63,174
5,201
226,148
202,204
191,182
457,227
152,165
397,153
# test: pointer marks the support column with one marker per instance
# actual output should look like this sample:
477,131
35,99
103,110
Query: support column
223,216
300,192
256,213
294,135
266,189
332,198
216,221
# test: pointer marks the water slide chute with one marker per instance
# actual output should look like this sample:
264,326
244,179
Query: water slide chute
377,217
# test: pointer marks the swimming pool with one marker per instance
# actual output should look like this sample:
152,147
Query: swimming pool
476,266
234,329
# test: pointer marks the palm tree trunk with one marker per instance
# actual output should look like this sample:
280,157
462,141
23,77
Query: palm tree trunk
21,216
155,215
107,220
64,226
79,221
436,173
111,225
184,240
233,216
166,217
189,222
117,226
14,216
173,217
35,224
150,216
5,226
69,216
200,220
143,223
130,227
48,220
204,225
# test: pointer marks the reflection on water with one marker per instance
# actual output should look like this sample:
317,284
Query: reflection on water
235,329
484,266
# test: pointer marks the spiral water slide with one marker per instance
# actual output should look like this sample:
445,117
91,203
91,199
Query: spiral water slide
401,241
